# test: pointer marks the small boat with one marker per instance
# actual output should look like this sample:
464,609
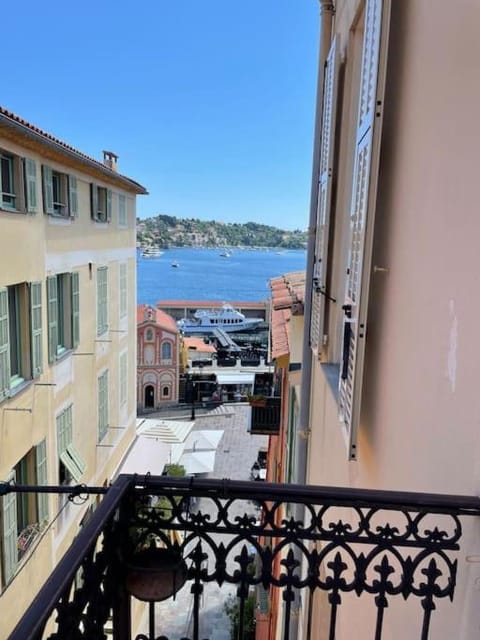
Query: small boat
175,264
225,254
151,252
226,318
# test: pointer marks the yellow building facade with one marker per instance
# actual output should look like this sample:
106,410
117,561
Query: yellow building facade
67,343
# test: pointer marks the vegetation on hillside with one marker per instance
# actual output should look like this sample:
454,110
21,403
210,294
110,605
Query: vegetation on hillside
167,231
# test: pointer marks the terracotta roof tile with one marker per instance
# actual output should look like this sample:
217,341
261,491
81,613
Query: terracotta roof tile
8,118
288,297
199,345
160,317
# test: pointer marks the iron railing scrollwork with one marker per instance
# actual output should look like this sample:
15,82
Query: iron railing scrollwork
373,544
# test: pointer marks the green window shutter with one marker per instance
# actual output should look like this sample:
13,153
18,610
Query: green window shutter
9,531
61,441
42,479
4,346
75,310
102,405
123,378
122,210
94,200
36,327
102,300
68,426
47,182
72,196
109,205
31,184
123,289
52,308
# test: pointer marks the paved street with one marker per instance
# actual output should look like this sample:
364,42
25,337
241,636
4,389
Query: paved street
236,453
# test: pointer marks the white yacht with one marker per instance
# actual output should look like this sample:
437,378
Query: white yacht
226,318
151,252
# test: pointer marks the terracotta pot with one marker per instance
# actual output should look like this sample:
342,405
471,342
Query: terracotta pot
155,574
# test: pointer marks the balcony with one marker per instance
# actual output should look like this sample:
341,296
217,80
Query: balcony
265,416
261,538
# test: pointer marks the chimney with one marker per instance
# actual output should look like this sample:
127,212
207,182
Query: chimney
110,160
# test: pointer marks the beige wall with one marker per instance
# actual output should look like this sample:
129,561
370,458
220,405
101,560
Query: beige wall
419,427
33,246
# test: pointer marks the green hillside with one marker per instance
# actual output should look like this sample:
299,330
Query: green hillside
167,231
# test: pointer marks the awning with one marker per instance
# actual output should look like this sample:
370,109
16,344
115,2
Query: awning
198,462
204,440
235,377
164,430
148,456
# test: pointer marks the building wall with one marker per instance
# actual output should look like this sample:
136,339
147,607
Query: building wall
420,409
34,246
154,370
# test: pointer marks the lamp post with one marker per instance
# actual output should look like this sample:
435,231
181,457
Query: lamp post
192,417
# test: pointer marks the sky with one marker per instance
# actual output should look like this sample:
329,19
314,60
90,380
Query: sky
209,105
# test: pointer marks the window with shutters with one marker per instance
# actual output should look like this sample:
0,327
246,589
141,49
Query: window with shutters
71,466
20,336
59,193
102,300
101,203
102,405
123,366
18,183
122,211
63,306
23,515
123,301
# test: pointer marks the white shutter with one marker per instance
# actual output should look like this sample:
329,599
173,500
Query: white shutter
47,182
4,346
36,327
102,300
362,214
9,534
31,184
42,479
72,196
327,147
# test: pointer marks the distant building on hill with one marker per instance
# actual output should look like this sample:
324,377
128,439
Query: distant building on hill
157,358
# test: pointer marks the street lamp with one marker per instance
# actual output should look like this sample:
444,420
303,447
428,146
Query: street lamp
192,417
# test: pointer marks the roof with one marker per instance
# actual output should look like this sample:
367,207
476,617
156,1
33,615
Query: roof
199,345
158,317
10,121
288,297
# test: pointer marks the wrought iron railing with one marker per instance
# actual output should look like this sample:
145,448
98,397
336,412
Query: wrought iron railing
342,542
265,417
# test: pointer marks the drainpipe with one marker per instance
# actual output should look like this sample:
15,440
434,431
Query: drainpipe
303,426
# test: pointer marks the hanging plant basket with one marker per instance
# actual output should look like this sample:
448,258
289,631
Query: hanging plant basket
155,574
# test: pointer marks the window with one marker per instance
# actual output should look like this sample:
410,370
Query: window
20,335
101,203
63,304
102,300
166,350
18,183
165,391
70,463
102,405
123,377
23,514
123,289
122,211
149,337
59,193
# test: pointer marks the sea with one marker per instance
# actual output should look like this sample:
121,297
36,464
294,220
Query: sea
204,274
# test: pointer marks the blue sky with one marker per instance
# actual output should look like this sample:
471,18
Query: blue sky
208,104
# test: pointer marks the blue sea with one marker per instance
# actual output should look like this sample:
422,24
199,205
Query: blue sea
202,274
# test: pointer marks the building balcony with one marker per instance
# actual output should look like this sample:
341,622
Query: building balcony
162,537
265,416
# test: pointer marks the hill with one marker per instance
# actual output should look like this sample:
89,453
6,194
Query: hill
167,231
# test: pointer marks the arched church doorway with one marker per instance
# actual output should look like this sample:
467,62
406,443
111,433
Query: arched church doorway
149,397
